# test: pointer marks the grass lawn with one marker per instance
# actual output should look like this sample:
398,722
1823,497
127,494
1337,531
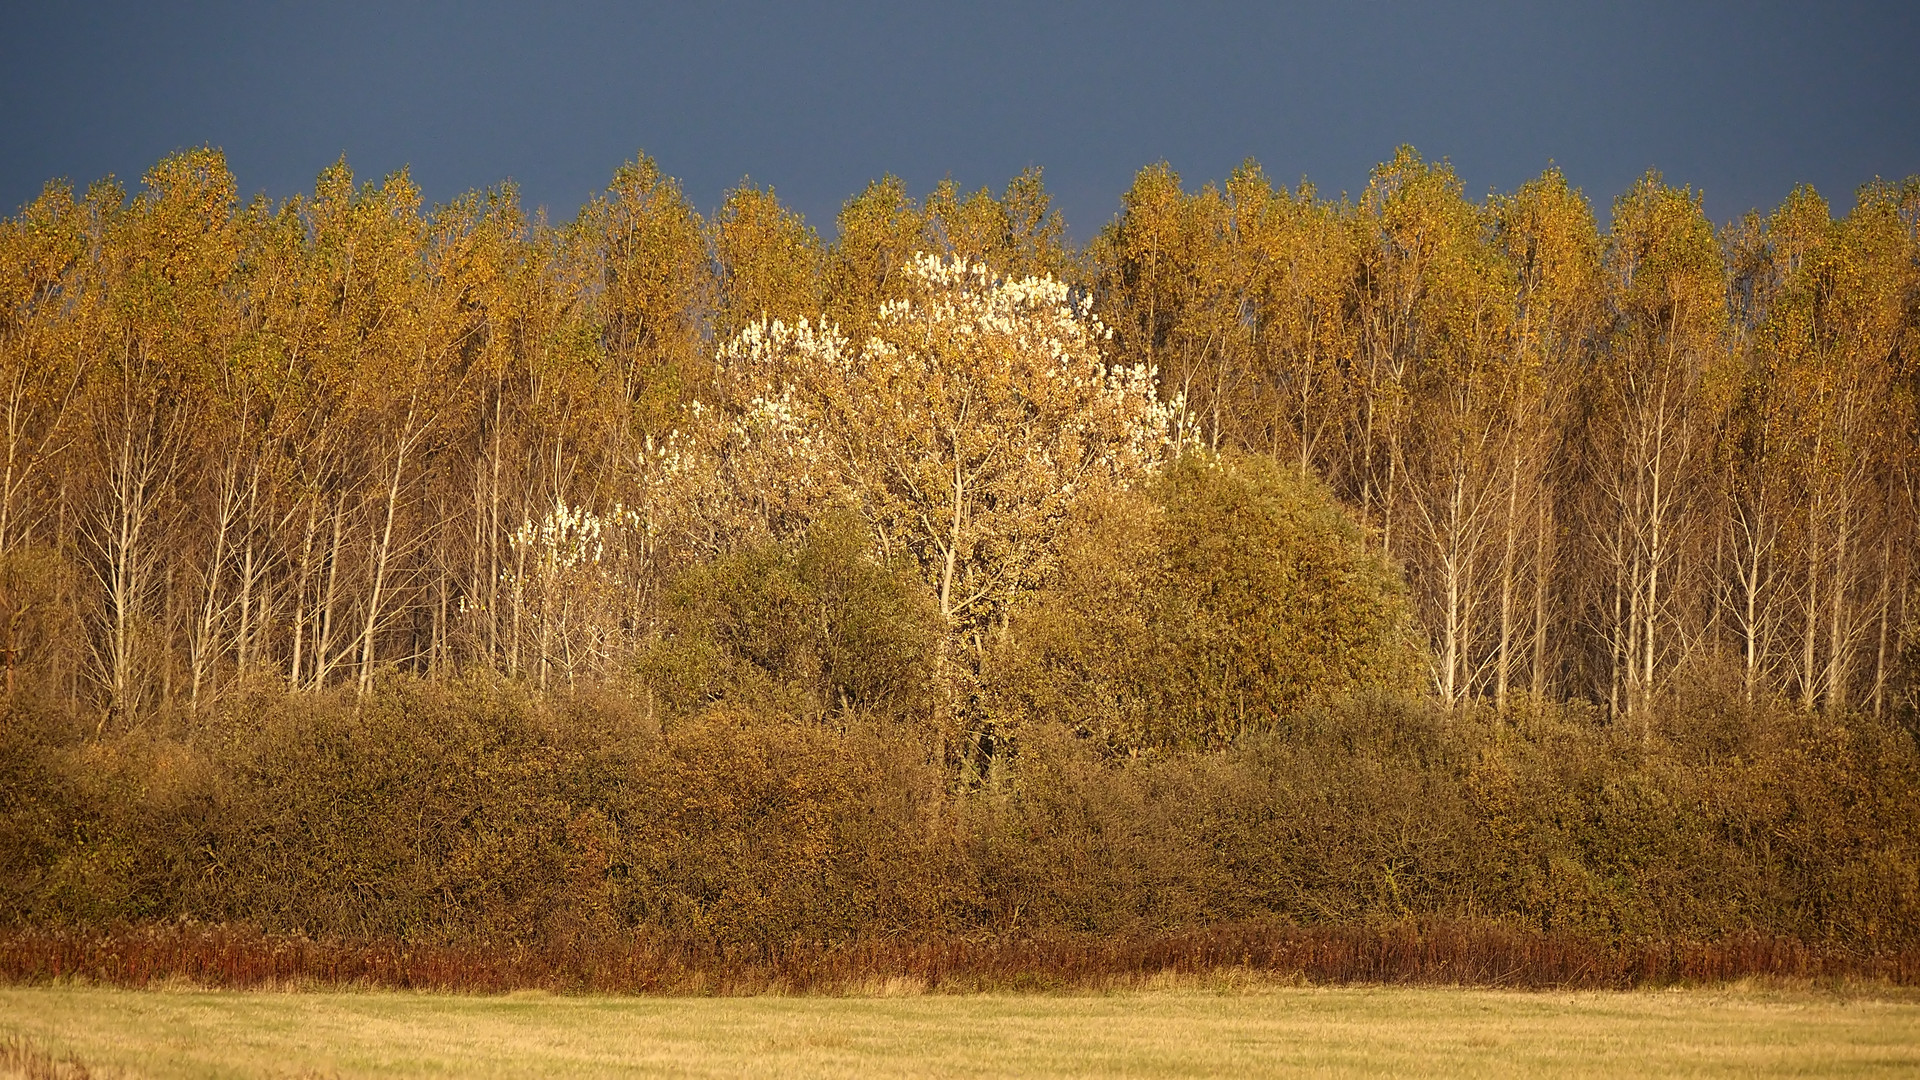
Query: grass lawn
1243,1032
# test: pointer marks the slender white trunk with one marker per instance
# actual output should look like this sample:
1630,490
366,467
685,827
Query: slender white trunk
1542,552
380,554
1810,623
1838,635
300,593
202,644
1886,610
323,658
1503,667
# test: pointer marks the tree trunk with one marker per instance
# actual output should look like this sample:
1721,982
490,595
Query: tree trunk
381,552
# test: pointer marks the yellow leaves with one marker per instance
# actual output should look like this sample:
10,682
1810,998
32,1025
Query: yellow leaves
1666,266
880,229
769,261
643,267
1016,236
1417,206
649,249
1546,231
36,248
1829,316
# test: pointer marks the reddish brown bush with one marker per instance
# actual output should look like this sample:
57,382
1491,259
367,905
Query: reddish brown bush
1446,953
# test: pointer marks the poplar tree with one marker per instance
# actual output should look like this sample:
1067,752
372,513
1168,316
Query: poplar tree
1648,429
1547,236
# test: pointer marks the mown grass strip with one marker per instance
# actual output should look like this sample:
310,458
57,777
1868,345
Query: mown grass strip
1189,1030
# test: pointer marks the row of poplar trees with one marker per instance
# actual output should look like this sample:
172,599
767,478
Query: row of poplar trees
295,444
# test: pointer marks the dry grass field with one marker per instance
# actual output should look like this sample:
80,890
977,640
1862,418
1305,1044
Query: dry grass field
1226,1029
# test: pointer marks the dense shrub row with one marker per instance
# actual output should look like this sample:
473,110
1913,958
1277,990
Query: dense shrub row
1207,717
469,812
1223,956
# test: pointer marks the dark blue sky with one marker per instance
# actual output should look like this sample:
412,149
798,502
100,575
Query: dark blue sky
1740,100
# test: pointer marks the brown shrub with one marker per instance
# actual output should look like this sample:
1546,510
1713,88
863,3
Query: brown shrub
469,813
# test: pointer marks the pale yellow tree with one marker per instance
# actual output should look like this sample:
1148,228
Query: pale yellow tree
38,377
963,428
1654,393
569,583
1437,313
1306,256
1546,233
1833,335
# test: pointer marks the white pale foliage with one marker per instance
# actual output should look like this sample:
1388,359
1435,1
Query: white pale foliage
567,588
963,428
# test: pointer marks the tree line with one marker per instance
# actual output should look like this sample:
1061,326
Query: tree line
1607,460
296,444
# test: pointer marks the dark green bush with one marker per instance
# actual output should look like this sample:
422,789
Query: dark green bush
806,630
40,633
44,815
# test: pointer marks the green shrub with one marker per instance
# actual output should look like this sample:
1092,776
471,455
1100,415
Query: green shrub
810,629
42,813
1219,602
39,632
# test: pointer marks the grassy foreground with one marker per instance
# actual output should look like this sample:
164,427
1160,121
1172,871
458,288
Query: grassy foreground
1180,1032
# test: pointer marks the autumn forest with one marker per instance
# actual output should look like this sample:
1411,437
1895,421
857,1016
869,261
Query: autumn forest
395,572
